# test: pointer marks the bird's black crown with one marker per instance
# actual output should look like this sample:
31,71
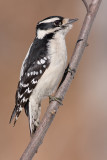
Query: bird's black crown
50,23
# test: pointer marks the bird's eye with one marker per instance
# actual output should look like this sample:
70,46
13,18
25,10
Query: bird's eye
57,23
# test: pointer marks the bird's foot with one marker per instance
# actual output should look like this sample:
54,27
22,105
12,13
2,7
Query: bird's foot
72,71
52,98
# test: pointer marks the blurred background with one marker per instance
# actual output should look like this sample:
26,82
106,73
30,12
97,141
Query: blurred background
79,130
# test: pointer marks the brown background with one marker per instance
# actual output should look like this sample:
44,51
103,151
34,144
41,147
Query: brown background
79,131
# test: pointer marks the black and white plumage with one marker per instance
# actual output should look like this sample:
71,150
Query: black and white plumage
42,68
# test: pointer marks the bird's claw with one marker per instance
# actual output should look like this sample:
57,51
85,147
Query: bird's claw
52,98
72,71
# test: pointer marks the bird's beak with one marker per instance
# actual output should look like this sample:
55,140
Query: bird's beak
72,20
67,21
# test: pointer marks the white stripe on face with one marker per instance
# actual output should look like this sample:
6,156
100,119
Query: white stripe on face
49,20
42,33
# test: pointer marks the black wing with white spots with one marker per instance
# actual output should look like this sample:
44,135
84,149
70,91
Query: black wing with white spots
33,68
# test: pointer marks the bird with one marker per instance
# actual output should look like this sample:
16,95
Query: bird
42,69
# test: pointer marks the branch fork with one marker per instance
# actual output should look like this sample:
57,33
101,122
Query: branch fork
86,5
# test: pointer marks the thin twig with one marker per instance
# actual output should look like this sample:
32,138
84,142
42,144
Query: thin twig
38,137
86,5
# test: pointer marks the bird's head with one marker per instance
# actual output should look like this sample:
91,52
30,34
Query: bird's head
53,25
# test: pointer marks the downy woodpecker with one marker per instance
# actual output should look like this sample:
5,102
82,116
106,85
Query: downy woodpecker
42,68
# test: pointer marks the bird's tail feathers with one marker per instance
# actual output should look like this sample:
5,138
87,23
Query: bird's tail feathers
13,115
16,112
34,116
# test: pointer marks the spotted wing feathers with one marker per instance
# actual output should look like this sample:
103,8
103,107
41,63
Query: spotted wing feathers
27,83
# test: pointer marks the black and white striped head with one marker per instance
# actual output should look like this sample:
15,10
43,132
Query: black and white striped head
54,24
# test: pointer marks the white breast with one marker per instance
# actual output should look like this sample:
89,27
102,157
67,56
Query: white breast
49,81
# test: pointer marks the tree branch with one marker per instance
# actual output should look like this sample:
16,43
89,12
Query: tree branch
38,137
86,5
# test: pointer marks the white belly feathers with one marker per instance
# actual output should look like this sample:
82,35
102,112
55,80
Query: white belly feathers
49,81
